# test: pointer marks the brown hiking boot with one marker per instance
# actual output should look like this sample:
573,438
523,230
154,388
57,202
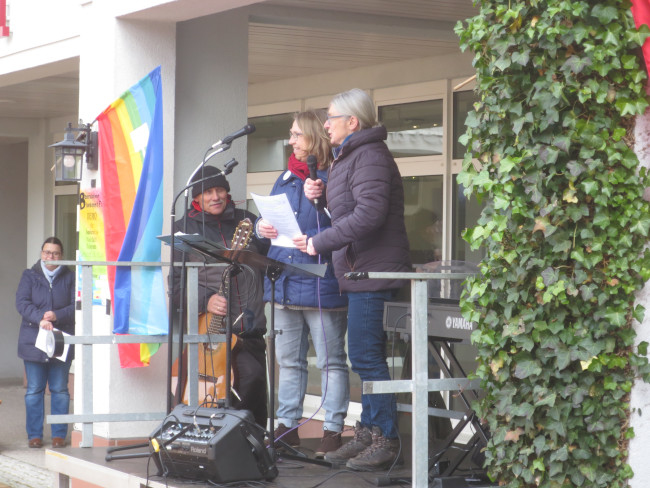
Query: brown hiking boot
287,435
362,439
331,441
380,455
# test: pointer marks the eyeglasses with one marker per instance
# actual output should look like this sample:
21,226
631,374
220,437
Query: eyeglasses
330,117
54,254
295,135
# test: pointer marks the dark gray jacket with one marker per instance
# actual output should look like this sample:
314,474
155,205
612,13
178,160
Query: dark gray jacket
365,197
246,289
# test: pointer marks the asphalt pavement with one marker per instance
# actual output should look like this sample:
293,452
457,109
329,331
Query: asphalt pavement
20,466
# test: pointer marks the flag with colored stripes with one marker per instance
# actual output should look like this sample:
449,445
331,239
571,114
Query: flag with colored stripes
641,14
131,169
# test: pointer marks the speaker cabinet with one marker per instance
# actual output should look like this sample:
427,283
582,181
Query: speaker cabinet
217,444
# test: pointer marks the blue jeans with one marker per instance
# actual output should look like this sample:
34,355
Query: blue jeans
39,375
292,345
367,351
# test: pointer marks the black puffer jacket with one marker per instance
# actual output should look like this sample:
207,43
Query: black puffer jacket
366,199
246,288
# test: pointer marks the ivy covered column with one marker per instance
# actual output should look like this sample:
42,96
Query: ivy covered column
551,152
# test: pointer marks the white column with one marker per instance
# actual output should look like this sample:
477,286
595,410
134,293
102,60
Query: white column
640,397
115,54
212,87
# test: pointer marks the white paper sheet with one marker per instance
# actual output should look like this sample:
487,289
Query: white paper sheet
41,343
277,211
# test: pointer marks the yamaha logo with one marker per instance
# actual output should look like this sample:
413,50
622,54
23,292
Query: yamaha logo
458,323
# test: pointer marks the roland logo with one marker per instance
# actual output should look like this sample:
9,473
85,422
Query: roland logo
199,450
458,323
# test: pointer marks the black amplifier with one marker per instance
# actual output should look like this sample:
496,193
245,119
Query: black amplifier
216,444
444,320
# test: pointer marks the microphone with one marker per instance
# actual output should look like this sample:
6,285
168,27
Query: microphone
244,131
311,164
229,166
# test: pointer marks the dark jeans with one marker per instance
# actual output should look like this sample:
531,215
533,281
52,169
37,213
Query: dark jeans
249,368
367,353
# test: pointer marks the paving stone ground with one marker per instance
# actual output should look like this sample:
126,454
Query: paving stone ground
20,466
19,474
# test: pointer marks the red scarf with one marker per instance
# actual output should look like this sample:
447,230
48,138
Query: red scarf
298,168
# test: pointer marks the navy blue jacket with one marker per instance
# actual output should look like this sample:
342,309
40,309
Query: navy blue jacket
303,290
34,297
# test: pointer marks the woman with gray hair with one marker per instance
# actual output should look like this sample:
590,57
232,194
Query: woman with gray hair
365,198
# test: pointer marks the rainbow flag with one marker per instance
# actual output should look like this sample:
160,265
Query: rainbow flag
131,168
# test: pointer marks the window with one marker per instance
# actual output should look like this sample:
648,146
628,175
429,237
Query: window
463,104
414,129
423,217
65,223
268,146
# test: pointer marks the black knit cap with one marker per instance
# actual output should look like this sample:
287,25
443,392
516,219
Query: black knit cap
215,179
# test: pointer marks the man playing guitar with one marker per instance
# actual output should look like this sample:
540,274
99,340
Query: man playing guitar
213,215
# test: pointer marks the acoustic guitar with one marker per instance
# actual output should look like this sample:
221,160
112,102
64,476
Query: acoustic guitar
212,355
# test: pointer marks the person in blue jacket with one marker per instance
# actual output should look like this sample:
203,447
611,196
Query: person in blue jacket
307,305
45,300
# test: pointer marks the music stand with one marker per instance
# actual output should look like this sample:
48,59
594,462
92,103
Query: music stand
272,269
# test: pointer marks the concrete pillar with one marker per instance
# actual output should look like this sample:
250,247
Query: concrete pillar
115,54
211,94
640,397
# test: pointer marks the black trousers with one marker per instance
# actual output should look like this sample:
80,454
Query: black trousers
249,368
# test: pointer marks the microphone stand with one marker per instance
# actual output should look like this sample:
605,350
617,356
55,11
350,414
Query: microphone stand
228,167
181,312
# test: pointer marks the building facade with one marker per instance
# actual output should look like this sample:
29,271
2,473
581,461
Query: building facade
224,63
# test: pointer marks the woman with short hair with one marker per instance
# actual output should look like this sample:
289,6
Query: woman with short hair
365,197
45,300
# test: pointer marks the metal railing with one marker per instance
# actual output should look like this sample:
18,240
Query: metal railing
87,340
420,385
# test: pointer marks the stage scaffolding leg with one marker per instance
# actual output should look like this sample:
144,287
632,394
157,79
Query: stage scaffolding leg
87,351
418,385
420,396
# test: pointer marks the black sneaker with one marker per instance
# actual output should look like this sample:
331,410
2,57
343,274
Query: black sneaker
361,440
380,455
331,441
287,435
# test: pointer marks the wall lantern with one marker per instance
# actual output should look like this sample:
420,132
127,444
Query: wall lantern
69,153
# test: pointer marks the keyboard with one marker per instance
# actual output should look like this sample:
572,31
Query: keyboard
444,320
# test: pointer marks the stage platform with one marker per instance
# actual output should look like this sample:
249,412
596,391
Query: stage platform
89,465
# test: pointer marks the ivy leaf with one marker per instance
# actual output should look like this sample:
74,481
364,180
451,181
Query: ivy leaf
616,317
503,63
547,400
472,119
605,14
576,64
641,226
639,313
522,57
527,368
538,464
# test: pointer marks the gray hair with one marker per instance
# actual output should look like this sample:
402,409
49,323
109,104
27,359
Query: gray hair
358,103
